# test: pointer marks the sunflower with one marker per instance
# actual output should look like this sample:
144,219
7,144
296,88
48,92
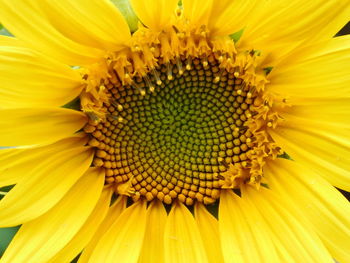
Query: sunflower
214,132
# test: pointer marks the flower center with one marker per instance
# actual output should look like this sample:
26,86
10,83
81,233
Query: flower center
182,128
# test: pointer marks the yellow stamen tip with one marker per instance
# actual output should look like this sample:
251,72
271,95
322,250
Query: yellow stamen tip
170,77
159,82
120,107
236,74
188,67
217,79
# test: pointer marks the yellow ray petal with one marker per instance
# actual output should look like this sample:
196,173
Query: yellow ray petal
182,240
45,186
153,245
16,164
244,237
276,27
315,130
316,71
209,229
286,226
29,126
319,144
15,16
198,11
327,209
95,23
31,80
123,241
40,239
155,14
113,213
82,237
228,17
10,41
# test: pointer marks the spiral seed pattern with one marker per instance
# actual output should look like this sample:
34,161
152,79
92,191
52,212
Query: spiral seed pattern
173,132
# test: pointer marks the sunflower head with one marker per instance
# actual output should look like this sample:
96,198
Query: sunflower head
179,115
195,107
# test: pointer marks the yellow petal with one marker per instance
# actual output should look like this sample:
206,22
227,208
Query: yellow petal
320,144
95,23
277,27
315,130
155,14
123,241
40,239
182,240
113,213
10,41
228,17
31,80
244,236
16,164
28,22
45,186
325,207
153,245
82,237
317,71
29,126
197,11
209,229
286,225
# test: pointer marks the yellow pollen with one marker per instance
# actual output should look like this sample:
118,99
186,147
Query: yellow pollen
120,107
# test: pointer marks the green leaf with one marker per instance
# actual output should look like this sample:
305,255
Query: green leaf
6,235
285,156
4,190
237,36
74,104
126,10
4,31
268,70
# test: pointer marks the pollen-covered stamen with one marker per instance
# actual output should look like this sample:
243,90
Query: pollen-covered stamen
179,66
149,84
157,79
169,72
189,63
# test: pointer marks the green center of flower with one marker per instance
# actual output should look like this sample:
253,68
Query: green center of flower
172,140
